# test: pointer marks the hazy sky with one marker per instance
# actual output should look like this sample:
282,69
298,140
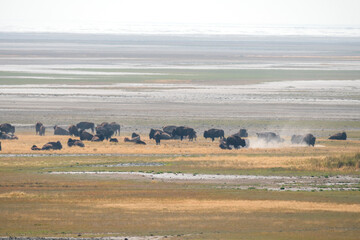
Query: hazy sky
73,14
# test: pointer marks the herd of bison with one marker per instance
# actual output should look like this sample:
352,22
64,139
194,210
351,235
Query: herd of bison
108,131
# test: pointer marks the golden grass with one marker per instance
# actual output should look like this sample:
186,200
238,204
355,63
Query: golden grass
227,205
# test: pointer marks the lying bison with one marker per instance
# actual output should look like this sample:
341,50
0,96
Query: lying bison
85,136
184,132
135,140
134,135
86,125
308,139
98,138
74,142
7,128
52,146
73,131
49,146
8,136
214,133
60,131
269,137
339,136
115,140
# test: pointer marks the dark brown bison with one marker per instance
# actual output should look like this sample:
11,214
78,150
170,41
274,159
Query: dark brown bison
269,137
308,139
134,135
86,125
98,138
184,132
160,135
7,128
37,127
85,136
242,133
134,140
73,130
114,140
60,131
116,128
35,148
52,146
169,129
8,136
339,136
222,144
105,130
214,133
74,142
153,131
42,130
235,141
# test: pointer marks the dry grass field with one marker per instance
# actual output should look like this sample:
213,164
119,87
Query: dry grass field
35,202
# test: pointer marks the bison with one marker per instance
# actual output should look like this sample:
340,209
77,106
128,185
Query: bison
114,140
242,133
339,136
73,130
60,131
134,140
183,132
86,125
8,136
214,133
37,128
0,146
153,131
85,136
74,142
106,130
35,148
308,139
7,128
134,135
116,128
169,129
42,130
98,138
269,137
52,145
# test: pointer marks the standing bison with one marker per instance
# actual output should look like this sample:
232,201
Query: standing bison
234,141
214,133
242,133
86,125
339,136
105,129
116,128
308,139
37,128
184,132
7,128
